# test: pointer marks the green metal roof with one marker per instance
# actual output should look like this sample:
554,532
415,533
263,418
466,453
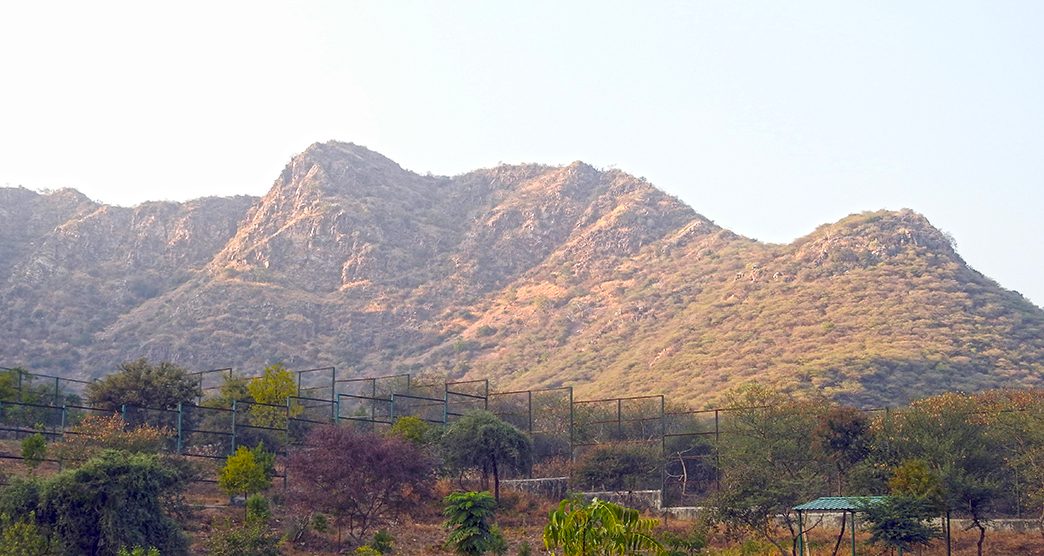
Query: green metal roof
839,503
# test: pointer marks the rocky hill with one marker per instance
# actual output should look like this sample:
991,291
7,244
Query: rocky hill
531,275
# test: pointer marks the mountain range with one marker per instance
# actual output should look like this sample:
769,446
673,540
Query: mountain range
530,275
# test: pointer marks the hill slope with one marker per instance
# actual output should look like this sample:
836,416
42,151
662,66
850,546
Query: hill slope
531,275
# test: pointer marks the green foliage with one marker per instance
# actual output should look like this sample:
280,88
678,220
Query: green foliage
257,508
320,523
233,388
913,479
843,436
243,474
688,543
414,430
599,527
250,539
366,550
141,384
525,549
139,551
469,517
481,440
273,388
900,522
767,469
382,541
617,467
24,537
34,450
112,501
21,497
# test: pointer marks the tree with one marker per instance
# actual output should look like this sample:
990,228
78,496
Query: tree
243,473
141,384
900,521
469,517
112,501
950,435
481,440
273,388
767,464
599,527
843,436
361,479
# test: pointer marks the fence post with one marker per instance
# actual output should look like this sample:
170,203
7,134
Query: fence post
571,425
717,452
65,409
123,413
180,442
57,394
286,444
530,393
391,410
234,404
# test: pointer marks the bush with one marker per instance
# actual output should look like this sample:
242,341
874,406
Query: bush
250,539
616,467
34,450
97,433
24,537
257,508
243,474
113,501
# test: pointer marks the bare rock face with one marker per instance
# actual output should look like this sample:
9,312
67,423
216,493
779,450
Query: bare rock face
531,275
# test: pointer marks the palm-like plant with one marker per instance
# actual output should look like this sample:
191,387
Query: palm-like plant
599,528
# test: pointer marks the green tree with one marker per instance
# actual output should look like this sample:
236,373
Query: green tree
141,384
481,440
950,434
900,522
766,463
243,474
599,527
273,388
34,450
139,551
469,517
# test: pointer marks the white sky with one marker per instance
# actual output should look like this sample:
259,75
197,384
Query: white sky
768,117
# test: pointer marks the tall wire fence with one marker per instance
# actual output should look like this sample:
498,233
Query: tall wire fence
621,443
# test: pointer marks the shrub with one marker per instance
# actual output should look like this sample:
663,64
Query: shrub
24,537
616,467
360,479
469,517
97,433
257,508
34,450
249,539
481,440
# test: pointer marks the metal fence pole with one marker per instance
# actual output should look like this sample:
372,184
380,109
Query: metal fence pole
234,404
180,441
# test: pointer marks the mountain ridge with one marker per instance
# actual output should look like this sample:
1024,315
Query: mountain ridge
532,275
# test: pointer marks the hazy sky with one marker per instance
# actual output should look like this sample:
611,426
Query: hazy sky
768,117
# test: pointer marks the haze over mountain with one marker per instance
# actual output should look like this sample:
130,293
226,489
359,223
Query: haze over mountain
531,275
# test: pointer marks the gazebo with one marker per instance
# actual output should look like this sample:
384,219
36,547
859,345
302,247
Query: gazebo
833,504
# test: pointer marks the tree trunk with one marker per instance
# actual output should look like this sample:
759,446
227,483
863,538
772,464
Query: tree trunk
841,535
496,482
982,534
